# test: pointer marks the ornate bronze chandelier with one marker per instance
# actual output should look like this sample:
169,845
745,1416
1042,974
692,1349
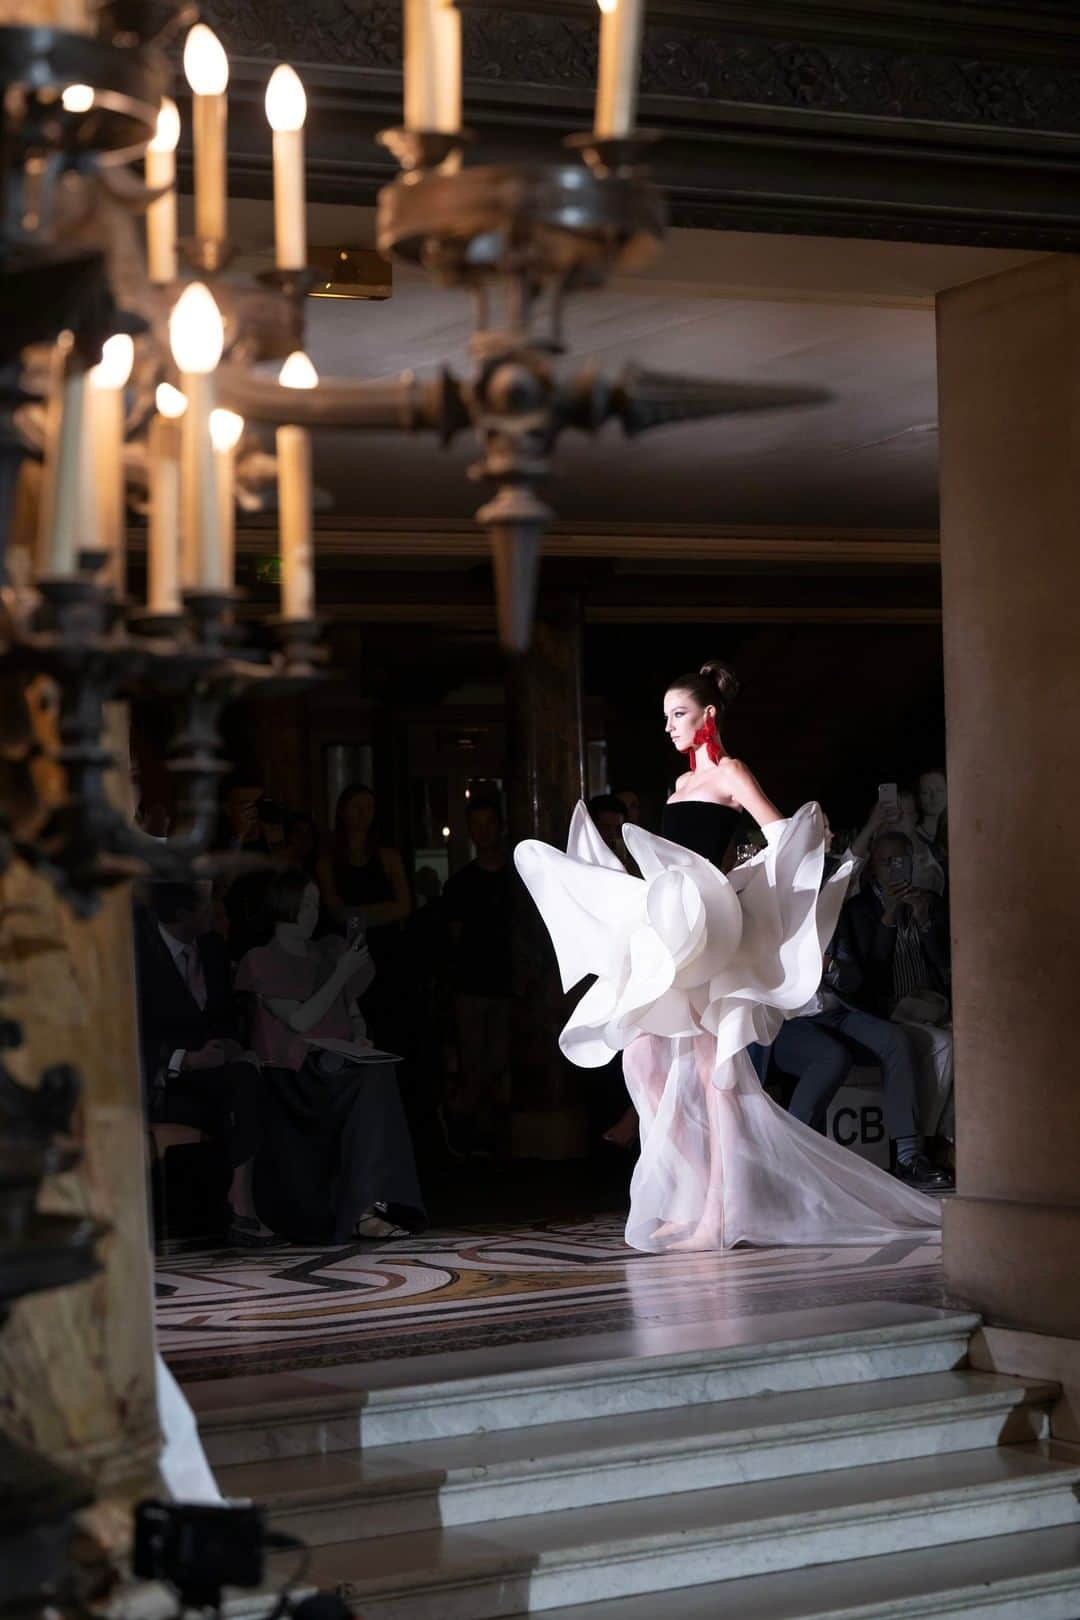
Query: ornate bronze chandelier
159,377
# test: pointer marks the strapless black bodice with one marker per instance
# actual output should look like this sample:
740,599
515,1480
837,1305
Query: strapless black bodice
695,824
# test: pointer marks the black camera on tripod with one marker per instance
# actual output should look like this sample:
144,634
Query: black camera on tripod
200,1548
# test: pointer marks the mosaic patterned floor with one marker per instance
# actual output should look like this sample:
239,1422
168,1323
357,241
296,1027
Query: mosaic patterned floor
224,1313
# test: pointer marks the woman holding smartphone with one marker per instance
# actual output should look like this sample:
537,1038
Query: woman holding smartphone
336,1151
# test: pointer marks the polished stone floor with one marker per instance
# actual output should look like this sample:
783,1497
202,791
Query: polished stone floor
226,1313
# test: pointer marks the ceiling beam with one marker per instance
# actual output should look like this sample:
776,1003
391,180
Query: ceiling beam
904,119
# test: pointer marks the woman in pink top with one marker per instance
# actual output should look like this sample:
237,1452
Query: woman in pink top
335,1148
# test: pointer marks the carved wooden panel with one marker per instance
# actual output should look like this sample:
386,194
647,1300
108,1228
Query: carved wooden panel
696,60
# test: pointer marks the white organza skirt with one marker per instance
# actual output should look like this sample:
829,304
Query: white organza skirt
691,967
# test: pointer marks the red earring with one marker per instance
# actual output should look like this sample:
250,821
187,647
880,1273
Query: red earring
706,736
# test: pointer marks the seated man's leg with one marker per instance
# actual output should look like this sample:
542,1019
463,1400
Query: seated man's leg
892,1046
934,1048
807,1048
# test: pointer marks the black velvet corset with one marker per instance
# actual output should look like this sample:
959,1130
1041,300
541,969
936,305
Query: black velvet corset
698,825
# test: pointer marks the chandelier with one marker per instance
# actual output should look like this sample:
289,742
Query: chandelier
160,386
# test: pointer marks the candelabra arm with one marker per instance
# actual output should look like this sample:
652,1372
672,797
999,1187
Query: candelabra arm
407,402
641,400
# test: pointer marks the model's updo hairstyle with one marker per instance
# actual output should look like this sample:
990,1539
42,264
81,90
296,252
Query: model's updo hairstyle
713,683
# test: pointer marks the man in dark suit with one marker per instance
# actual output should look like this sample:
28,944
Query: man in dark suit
818,1044
899,934
195,1069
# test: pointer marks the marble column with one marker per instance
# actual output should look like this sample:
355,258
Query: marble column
1009,378
545,778
76,1364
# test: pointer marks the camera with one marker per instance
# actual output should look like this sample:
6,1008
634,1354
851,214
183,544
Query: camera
198,1547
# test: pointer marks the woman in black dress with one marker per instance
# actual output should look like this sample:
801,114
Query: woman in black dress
363,884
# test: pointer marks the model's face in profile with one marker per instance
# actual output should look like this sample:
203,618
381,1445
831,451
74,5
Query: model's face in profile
932,793
308,915
682,718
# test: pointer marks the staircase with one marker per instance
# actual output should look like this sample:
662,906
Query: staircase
855,1475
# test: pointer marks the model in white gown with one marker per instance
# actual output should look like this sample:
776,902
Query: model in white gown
691,967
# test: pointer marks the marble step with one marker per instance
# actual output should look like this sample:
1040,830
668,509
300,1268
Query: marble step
349,1415
350,1495
659,1543
1033,1575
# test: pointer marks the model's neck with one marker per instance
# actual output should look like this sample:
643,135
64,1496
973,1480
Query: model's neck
702,762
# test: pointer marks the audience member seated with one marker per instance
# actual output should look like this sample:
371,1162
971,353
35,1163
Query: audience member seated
900,940
363,882
818,1045
901,817
630,800
336,1159
609,816
476,903
195,1069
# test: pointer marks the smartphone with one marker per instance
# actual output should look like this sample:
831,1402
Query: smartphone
887,794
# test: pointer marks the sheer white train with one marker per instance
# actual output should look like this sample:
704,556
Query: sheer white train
690,968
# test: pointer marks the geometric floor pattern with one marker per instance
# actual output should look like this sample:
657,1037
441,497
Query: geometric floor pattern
225,1312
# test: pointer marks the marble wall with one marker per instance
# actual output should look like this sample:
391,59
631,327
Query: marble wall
1009,358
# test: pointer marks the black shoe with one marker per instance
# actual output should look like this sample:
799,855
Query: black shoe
926,1176
244,1233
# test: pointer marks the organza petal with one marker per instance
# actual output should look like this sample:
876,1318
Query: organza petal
584,842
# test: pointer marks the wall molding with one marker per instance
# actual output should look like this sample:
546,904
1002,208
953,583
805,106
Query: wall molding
667,543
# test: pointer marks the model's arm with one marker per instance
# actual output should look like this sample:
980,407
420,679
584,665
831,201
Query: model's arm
744,787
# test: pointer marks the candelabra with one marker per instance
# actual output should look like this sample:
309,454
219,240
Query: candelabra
77,109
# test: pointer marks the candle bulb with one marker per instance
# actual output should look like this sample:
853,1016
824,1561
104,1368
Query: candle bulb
108,379
163,546
61,505
77,98
294,499
161,214
620,65
286,110
206,68
197,339
433,65
225,430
